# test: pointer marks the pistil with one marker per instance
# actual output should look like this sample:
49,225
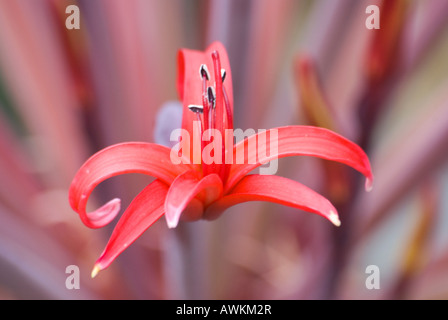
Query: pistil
205,76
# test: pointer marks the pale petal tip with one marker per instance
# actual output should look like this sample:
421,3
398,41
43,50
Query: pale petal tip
334,218
172,216
172,225
95,271
369,184
171,221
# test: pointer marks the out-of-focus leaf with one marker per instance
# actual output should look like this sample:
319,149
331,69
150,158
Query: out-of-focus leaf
267,41
16,182
40,87
425,25
419,150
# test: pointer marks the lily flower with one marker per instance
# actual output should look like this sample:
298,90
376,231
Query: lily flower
194,187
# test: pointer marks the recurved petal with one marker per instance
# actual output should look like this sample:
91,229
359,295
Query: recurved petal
146,208
274,189
132,157
297,141
184,189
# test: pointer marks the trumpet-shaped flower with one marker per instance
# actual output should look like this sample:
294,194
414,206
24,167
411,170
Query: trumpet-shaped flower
194,187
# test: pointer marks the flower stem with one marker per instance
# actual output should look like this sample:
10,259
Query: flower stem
186,263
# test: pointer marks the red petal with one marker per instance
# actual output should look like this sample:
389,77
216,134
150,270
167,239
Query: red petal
278,190
301,141
185,188
133,157
144,210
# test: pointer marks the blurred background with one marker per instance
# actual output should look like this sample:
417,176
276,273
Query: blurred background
65,94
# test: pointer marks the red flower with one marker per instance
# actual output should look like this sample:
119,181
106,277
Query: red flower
195,187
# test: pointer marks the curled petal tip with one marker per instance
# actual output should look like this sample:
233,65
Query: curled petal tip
114,205
102,216
95,271
334,218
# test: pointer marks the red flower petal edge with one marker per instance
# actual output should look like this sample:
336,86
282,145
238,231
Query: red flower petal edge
132,157
146,208
186,187
301,141
277,190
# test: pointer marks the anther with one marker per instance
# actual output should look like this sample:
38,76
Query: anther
203,72
211,96
223,74
196,108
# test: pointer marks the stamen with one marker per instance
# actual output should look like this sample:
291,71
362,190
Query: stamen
228,110
205,76
212,103
223,74
211,96
218,91
205,102
226,169
219,106
196,108
203,72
